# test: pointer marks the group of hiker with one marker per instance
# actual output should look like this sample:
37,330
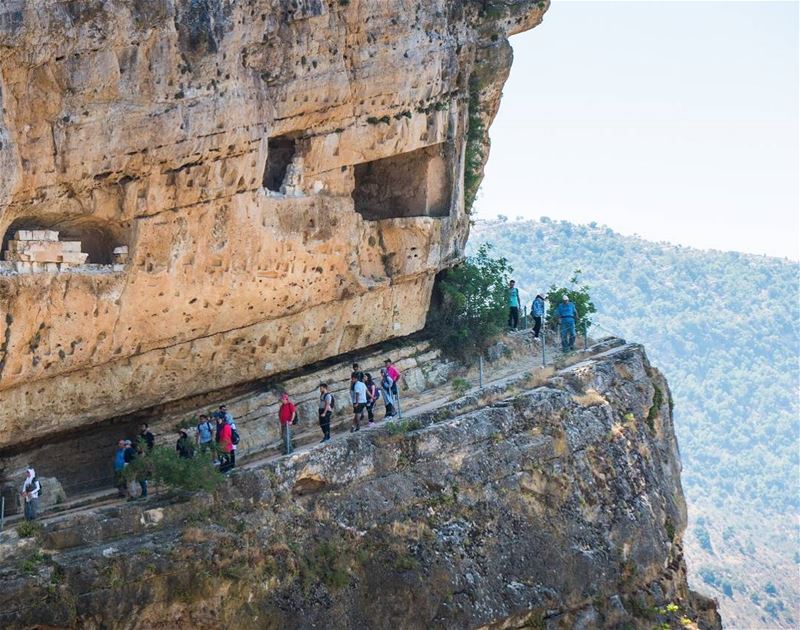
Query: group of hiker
216,433
565,313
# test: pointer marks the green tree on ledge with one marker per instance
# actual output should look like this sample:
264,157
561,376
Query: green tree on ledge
468,308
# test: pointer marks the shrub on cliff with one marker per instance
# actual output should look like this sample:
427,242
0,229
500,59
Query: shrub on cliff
468,308
162,465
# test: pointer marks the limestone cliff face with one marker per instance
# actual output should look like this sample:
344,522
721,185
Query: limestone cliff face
287,175
555,506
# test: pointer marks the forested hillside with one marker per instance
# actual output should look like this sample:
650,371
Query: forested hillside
724,328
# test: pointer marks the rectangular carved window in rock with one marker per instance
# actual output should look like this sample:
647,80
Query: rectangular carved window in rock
280,152
413,184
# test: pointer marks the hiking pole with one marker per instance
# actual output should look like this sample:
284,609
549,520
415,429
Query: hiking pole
2,512
480,370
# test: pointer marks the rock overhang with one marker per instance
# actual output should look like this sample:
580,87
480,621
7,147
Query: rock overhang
147,126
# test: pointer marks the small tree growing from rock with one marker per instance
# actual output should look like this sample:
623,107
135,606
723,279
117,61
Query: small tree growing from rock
162,465
469,307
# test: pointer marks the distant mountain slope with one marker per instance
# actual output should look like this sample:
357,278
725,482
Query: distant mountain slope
724,328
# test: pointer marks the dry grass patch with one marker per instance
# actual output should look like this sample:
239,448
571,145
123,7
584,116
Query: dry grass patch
589,399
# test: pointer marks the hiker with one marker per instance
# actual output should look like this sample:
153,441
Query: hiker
567,316
205,434
287,415
513,305
325,411
394,374
148,437
234,440
30,494
358,394
218,422
537,310
184,446
225,414
225,444
373,393
386,392
130,456
119,469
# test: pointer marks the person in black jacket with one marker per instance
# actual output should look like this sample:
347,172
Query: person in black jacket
148,437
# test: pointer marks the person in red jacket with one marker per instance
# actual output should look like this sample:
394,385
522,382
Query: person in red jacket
225,444
287,415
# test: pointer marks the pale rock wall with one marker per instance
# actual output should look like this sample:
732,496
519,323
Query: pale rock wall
145,124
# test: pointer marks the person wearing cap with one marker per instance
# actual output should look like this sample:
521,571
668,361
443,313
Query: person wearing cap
537,310
513,305
567,317
30,494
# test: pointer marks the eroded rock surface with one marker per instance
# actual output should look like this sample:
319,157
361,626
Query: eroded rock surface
557,507
287,177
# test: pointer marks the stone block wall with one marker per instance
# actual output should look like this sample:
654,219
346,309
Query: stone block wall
40,250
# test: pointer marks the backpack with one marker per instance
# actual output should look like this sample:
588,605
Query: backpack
34,484
322,398
234,436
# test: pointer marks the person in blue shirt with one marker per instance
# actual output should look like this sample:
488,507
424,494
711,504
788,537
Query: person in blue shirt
119,467
513,306
567,316
537,310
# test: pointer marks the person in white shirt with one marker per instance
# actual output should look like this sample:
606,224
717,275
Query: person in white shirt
358,394
30,494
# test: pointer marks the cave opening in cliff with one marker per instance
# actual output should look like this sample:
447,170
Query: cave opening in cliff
97,237
412,184
280,153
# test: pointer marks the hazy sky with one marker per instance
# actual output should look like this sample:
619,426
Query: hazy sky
674,120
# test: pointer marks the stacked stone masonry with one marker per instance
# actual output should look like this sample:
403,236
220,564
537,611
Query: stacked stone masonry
152,124
40,250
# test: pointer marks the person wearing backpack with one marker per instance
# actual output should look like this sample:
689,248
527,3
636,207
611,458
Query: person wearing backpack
358,396
373,393
204,438
326,404
225,445
387,383
30,494
287,415
513,305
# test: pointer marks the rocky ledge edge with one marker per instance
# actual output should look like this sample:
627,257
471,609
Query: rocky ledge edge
553,503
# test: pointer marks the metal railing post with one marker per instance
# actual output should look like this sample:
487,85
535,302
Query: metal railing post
480,370
2,512
585,336
524,317
544,343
